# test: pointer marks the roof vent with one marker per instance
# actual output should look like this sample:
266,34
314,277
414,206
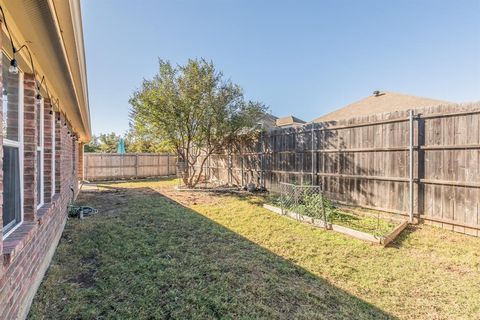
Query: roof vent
376,93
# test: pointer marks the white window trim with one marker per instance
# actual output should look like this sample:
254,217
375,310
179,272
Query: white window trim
53,153
42,158
19,145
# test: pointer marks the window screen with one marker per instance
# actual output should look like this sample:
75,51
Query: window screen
11,187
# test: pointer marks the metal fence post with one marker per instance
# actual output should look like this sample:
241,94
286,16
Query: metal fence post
282,198
262,159
410,151
313,146
324,211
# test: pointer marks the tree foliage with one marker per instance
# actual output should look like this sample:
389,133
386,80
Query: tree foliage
104,143
92,146
135,142
141,141
194,111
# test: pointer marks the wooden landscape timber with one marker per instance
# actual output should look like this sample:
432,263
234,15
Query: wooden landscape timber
365,236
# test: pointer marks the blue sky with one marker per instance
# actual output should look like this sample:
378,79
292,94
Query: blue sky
304,58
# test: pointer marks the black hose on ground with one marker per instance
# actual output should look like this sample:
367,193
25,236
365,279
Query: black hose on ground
81,212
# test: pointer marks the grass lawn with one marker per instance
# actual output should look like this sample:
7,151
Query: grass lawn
146,256
372,225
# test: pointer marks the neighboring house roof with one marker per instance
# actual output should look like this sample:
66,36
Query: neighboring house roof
289,121
268,120
380,102
54,34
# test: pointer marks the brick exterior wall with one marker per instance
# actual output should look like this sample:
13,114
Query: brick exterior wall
30,109
58,151
26,253
80,168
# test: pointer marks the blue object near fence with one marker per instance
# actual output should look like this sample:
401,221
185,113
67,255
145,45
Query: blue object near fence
121,146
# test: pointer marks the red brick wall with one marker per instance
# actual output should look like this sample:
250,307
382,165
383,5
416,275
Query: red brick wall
26,253
30,109
58,151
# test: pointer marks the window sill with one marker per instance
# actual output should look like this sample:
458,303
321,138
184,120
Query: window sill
14,243
17,240
43,212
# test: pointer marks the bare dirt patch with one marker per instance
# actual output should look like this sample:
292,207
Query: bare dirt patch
190,198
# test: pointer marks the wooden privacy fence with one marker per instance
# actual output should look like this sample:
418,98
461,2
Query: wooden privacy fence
424,163
111,166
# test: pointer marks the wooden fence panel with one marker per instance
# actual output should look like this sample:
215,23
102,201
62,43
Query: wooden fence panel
111,166
362,161
365,161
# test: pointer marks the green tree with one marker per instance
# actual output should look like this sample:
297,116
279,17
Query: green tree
108,142
93,145
195,111
142,141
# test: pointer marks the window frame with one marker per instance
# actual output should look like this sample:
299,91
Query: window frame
41,148
12,226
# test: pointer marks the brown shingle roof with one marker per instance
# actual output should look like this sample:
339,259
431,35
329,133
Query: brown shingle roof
382,102
288,121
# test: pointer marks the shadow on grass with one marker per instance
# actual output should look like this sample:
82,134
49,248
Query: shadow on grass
152,258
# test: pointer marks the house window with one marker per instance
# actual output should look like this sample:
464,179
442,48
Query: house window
12,104
40,131
53,153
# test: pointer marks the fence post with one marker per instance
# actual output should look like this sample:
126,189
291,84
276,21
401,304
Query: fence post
410,151
241,158
168,164
209,171
420,165
229,165
262,163
136,165
85,167
261,158
320,146
313,153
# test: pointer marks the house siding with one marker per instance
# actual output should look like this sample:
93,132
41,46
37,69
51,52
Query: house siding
26,253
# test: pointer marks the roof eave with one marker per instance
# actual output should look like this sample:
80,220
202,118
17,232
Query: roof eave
52,28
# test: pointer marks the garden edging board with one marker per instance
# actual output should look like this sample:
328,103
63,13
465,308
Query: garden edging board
381,240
